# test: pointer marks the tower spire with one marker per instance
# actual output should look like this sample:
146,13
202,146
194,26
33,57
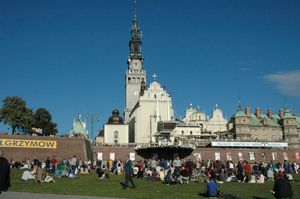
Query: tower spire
134,10
136,74
135,43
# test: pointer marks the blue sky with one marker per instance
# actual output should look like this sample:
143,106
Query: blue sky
69,56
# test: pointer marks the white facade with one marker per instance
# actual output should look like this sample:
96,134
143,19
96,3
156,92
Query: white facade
116,134
217,123
194,117
155,105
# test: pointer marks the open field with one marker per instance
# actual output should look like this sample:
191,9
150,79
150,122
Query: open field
90,185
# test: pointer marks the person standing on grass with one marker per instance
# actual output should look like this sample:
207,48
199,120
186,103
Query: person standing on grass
73,164
4,174
53,163
128,174
282,187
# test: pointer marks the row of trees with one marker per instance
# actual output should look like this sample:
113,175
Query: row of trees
23,120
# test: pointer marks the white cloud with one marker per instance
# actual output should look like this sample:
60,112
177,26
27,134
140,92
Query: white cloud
287,83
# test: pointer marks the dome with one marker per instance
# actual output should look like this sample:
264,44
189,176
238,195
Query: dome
115,118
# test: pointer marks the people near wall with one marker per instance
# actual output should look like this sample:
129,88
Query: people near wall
48,162
177,165
247,170
153,163
73,164
141,169
53,164
4,173
119,167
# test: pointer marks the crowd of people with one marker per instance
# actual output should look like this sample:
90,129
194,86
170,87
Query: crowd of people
169,172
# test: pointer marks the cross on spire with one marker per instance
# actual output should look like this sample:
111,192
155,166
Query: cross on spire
134,10
154,77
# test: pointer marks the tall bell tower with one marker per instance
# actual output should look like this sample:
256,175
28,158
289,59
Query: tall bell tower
135,73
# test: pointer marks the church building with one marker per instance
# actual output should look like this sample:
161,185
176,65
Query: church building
79,128
144,107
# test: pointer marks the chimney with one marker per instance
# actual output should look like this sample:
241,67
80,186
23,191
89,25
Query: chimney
270,113
281,113
257,112
248,111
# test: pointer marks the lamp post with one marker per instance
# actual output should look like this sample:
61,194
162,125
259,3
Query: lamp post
151,116
92,117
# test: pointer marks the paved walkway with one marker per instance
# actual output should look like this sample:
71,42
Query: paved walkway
23,195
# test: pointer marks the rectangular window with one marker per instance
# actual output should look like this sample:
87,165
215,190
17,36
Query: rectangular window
112,156
197,156
99,156
251,156
263,156
297,156
132,156
240,155
285,157
217,156
274,156
228,156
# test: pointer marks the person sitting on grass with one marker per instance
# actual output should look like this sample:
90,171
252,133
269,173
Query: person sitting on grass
155,176
102,174
40,174
169,180
211,188
183,176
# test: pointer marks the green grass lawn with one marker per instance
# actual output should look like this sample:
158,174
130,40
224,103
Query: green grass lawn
90,185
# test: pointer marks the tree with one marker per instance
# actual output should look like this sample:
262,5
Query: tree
28,121
15,113
43,120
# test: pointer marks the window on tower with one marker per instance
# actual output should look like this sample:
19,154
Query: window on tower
116,135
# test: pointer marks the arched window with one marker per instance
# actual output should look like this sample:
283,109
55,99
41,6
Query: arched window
129,80
116,137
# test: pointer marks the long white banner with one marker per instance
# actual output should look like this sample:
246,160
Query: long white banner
249,144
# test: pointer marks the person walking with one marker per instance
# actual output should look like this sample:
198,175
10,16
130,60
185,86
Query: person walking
282,187
128,174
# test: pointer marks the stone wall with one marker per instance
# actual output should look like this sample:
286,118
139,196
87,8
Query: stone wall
260,155
65,149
